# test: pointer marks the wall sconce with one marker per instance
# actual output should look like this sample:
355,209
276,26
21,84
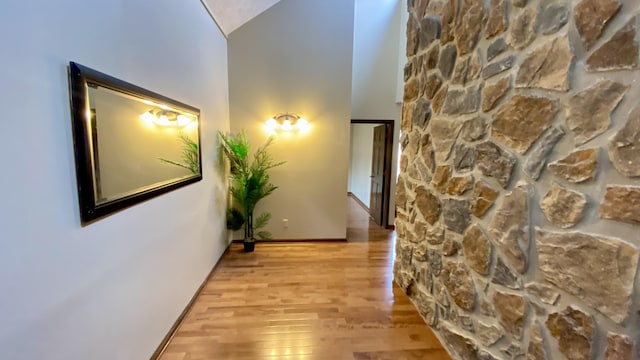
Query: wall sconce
288,123
166,117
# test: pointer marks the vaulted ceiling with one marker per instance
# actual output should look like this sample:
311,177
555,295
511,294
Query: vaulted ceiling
231,14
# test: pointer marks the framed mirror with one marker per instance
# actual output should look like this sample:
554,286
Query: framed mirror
130,144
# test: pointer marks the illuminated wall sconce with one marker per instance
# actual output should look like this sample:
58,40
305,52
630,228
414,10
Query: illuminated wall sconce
166,117
287,123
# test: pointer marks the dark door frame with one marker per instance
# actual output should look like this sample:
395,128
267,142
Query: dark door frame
388,157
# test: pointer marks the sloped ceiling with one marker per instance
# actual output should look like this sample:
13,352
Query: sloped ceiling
231,14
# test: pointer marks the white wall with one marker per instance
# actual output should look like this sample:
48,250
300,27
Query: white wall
360,163
375,68
296,57
110,290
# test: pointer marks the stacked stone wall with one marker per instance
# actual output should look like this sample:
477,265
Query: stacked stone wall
518,200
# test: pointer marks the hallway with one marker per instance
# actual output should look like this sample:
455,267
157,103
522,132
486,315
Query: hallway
313,300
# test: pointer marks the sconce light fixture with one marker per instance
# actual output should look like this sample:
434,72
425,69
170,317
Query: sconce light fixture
166,117
288,123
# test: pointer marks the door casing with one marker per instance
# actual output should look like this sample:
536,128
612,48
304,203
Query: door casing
388,155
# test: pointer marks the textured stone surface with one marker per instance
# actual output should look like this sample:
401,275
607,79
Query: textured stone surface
494,92
547,67
432,84
520,121
477,249
429,31
475,66
540,152
536,349
486,308
577,167
598,269
447,60
450,247
588,112
463,348
624,147
553,18
495,162
621,203
459,75
497,22
431,56
574,330
457,279
563,207
469,24
620,52
428,204
464,157
511,310
413,37
449,11
434,258
444,134
421,113
441,178
482,198
544,293
488,334
469,127
473,129
411,89
462,101
426,150
467,69
408,71
466,323
497,67
496,48
502,275
509,228
456,215
434,235
592,16
438,99
522,30
459,185
513,351
485,355
619,347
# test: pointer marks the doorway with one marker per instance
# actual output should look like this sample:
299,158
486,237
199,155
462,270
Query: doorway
370,167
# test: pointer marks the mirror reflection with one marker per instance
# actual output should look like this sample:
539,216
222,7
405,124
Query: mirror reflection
138,144
130,144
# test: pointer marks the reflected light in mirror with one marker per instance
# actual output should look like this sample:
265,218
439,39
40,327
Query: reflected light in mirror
166,118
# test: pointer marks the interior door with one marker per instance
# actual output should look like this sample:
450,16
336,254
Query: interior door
376,206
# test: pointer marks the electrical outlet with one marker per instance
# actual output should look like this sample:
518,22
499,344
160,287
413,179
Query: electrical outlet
285,223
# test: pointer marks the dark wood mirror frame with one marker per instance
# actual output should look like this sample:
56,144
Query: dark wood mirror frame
80,78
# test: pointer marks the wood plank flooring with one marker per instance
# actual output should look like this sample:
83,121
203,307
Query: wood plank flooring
307,301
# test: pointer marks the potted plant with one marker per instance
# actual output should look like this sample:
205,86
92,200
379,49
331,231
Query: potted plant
249,184
190,155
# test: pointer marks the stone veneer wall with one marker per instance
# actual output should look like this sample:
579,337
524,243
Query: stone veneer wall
518,200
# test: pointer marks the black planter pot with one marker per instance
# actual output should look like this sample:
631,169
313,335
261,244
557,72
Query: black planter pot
249,246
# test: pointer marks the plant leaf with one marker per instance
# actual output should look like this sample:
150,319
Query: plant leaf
264,235
262,220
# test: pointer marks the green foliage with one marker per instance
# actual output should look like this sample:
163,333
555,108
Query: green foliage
249,183
190,155
235,219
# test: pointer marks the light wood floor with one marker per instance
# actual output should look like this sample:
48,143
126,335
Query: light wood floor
307,301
